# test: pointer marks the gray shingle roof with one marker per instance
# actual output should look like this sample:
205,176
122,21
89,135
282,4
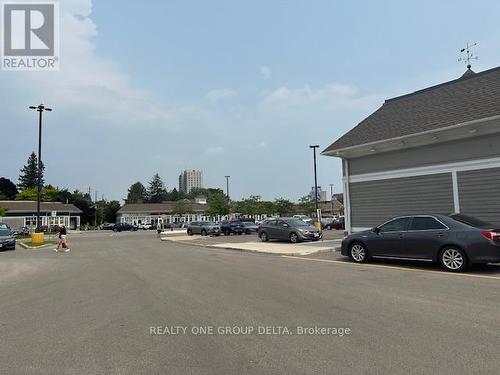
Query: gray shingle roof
471,97
159,208
30,206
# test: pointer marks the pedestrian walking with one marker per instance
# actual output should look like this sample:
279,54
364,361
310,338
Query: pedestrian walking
159,228
62,240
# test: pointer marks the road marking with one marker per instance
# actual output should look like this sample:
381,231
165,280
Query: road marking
442,273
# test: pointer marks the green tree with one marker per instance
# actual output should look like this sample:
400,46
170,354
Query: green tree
8,190
218,205
29,194
136,193
306,205
174,195
84,203
29,173
110,210
249,206
283,206
156,192
3,212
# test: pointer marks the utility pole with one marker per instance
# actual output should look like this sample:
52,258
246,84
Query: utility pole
95,208
331,196
318,213
227,187
40,108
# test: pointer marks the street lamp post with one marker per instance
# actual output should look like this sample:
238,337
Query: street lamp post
40,108
318,214
227,186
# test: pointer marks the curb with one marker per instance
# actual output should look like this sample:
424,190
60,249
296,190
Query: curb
23,245
267,253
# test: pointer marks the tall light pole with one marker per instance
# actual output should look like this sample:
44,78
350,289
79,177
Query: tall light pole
40,108
331,196
314,147
227,186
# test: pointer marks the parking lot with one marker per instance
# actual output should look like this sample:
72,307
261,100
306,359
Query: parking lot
91,310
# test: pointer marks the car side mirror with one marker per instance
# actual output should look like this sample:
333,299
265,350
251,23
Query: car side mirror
376,230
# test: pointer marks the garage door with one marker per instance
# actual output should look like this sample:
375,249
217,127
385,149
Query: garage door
373,202
479,193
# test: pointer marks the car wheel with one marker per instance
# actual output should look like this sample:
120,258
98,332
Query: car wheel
294,238
264,237
227,232
453,259
190,232
358,252
203,232
240,233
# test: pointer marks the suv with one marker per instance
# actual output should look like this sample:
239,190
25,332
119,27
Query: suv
120,227
204,228
233,226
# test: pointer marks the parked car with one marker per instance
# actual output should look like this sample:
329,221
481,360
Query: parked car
249,227
455,241
204,228
107,226
22,231
289,229
120,227
232,227
265,220
337,224
177,225
7,239
145,226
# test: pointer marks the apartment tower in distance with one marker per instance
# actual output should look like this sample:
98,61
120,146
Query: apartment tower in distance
190,179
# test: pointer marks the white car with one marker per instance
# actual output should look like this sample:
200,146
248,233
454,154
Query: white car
145,226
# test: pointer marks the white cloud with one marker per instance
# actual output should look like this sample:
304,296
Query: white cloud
216,95
266,71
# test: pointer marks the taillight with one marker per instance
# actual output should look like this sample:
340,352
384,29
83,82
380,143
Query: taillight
495,236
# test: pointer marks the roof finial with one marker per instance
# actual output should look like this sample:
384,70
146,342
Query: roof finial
468,55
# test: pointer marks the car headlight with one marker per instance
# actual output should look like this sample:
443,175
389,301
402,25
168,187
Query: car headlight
305,231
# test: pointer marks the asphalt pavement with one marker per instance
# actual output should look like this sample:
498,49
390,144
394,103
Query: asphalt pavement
127,303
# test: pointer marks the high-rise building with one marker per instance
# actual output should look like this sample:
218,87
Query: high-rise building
190,179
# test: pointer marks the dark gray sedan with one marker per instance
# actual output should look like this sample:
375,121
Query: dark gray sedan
204,228
7,239
455,241
288,229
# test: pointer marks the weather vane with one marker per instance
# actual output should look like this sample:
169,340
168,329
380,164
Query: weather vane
469,55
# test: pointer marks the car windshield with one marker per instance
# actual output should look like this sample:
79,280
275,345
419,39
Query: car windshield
4,232
248,224
472,221
297,223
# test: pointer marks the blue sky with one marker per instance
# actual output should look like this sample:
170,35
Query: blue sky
229,87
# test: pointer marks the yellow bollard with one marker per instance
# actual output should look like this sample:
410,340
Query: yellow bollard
37,238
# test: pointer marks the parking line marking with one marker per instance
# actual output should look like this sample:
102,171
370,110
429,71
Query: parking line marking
442,273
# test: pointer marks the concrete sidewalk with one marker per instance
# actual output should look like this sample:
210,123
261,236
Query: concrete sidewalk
276,248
